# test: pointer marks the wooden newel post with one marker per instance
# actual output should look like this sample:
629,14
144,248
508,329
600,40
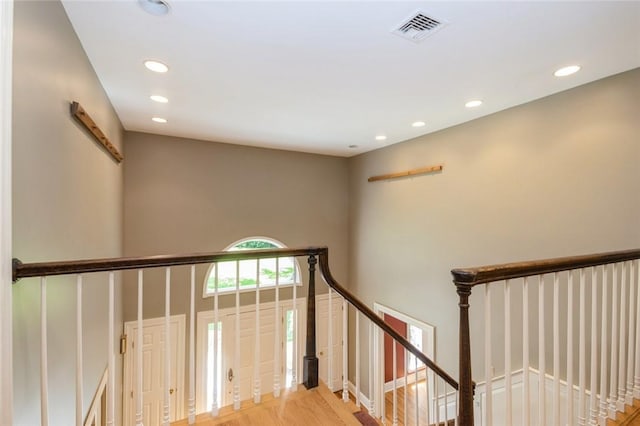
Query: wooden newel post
465,382
310,365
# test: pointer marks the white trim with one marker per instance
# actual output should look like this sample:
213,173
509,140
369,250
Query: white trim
364,400
94,415
6,354
130,327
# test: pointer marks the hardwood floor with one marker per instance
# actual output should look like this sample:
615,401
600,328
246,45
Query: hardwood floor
315,407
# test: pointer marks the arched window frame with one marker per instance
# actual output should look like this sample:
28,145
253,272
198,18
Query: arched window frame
267,279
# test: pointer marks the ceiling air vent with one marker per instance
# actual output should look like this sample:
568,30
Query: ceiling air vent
418,27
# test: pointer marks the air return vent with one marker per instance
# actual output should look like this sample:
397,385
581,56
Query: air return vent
419,26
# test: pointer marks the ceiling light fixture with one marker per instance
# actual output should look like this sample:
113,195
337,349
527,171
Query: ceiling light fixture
418,124
154,7
159,99
473,104
159,120
565,71
381,138
353,146
156,66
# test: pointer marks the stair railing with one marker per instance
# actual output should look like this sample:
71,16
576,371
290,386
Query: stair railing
443,399
580,300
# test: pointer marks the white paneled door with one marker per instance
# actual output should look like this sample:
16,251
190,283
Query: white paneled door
153,376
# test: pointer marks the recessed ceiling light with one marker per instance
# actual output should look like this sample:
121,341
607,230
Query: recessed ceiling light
419,124
156,66
159,120
473,104
381,138
565,71
353,146
158,98
154,7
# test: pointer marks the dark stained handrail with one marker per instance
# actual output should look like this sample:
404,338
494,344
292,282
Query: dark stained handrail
26,270
487,274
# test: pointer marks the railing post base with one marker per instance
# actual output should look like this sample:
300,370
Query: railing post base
310,372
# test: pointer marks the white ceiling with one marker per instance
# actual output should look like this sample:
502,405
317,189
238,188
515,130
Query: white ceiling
318,76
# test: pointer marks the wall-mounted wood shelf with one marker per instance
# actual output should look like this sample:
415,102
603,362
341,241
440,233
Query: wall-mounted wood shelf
414,172
83,118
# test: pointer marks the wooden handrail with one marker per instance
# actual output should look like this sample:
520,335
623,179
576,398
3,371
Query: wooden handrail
331,282
487,274
26,270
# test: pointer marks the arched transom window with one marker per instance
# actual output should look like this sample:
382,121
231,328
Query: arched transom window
248,274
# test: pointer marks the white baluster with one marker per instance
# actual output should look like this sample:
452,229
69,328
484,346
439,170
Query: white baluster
256,349
395,384
111,365
294,319
436,401
330,343
581,358
542,405
636,377
371,373
556,349
236,353
345,348
167,348
631,344
79,387
357,358
416,396
593,403
192,348
570,415
613,396
426,387
214,404
277,343
139,344
526,399
487,356
44,371
623,333
446,413
507,351
405,398
603,349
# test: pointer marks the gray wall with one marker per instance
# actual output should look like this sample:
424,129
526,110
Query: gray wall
186,196
558,176
67,204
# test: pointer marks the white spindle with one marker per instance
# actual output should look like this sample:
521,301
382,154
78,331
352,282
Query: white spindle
357,358
570,416
556,349
436,400
277,344
507,352
613,378
236,352
330,343
44,371
593,404
636,377
426,390
622,354
345,348
139,344
542,405
582,349
256,348
79,402
487,356
416,393
395,384
167,348
371,349
294,319
405,397
446,412
526,403
192,348
603,349
214,404
111,365
632,334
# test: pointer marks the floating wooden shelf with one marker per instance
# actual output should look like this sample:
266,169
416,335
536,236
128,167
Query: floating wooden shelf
414,172
83,118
